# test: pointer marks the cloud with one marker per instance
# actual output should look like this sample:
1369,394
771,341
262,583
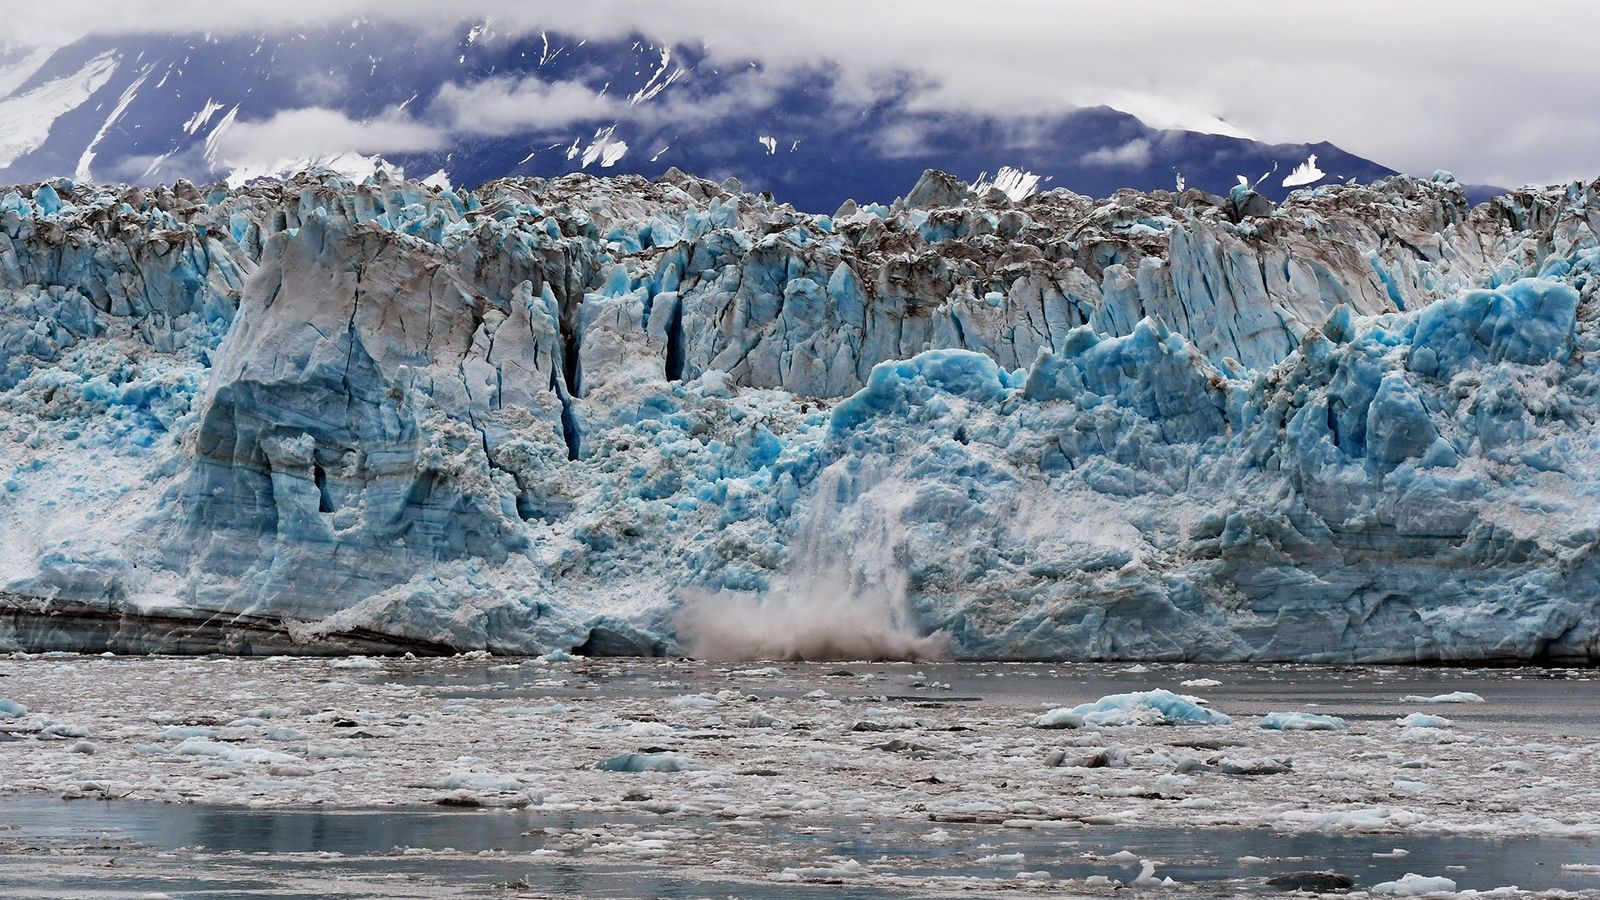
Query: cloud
1404,84
317,131
1134,153
503,105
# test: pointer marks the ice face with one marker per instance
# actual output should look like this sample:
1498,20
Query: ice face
319,416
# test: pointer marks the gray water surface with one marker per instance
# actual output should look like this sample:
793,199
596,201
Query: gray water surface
240,852
92,848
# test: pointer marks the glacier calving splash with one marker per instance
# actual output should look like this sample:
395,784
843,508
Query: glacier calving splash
315,415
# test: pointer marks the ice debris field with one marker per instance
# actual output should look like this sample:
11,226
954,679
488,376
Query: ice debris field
614,416
933,779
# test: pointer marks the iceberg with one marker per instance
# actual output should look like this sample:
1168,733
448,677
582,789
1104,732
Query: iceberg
1414,885
321,415
1157,707
1452,697
649,762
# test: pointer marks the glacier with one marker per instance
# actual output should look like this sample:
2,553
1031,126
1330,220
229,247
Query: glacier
314,416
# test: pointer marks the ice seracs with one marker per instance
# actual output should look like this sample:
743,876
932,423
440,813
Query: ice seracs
320,415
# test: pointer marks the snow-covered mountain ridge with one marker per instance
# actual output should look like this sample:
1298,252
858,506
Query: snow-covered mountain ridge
547,414
478,102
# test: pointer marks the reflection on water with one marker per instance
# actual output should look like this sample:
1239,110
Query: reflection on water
225,852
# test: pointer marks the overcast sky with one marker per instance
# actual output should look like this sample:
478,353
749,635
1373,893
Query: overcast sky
1499,92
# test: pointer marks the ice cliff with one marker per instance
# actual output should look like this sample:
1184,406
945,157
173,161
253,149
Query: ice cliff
313,415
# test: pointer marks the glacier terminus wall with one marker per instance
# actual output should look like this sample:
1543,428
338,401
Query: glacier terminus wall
316,416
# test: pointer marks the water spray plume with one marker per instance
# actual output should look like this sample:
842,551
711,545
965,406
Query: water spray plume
845,596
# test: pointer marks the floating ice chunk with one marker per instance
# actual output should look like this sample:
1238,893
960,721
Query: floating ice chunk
337,751
554,656
760,719
1200,682
1413,885
479,781
554,709
1123,856
1452,697
184,732
1299,721
1362,820
1229,765
847,868
247,722
1423,720
649,762
1060,717
11,709
694,701
63,730
1157,707
231,754
356,662
1514,765
1001,859
1147,873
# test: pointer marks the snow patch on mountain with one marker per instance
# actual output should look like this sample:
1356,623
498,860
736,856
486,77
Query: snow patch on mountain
1016,184
354,166
1304,174
201,116
15,74
604,147
83,172
25,119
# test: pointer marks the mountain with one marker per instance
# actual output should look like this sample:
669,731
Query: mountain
629,416
478,105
